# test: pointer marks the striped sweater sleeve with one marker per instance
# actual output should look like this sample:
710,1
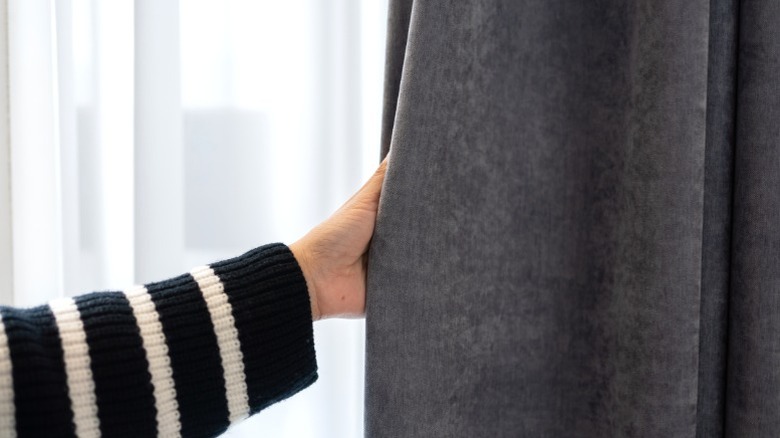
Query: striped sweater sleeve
184,357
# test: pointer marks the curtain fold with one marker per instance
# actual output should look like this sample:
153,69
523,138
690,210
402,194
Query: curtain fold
717,214
753,385
578,233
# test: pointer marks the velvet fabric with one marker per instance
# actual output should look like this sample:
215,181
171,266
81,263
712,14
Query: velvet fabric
578,233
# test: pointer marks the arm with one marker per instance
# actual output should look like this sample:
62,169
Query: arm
184,356
189,355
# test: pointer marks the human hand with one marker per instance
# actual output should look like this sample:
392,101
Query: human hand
333,256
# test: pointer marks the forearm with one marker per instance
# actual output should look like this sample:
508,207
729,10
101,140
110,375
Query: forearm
185,356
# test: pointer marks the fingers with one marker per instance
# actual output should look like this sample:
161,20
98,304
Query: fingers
373,187
375,182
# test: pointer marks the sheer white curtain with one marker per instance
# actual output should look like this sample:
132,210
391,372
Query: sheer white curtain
141,138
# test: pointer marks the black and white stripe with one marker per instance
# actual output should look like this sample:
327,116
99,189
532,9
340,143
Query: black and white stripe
41,401
81,385
180,358
221,312
123,388
7,411
166,406
194,354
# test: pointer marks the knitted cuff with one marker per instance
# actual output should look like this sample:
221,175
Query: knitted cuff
270,301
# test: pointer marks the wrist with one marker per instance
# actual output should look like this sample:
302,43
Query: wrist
303,258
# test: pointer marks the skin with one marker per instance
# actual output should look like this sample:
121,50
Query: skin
333,256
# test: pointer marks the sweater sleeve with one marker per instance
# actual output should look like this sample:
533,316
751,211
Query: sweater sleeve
185,357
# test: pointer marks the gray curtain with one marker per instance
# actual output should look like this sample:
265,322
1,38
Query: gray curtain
579,232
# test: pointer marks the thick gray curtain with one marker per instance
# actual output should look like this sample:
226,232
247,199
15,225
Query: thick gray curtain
579,232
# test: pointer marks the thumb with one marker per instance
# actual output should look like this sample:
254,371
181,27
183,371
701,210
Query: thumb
369,193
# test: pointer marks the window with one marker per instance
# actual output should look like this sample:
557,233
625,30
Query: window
148,137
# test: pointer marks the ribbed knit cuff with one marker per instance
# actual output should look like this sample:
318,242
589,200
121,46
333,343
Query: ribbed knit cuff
270,301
